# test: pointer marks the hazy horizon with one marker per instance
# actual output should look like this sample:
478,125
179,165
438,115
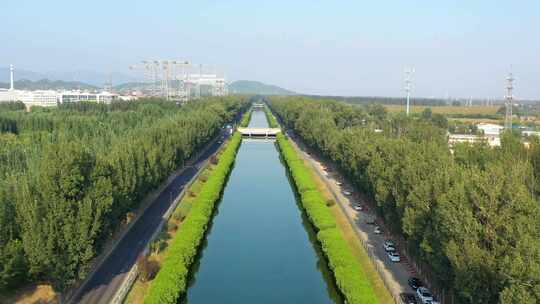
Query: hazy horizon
459,49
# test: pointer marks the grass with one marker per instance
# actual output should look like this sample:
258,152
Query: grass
447,110
244,122
272,121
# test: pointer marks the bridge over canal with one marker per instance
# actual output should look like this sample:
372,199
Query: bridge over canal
259,132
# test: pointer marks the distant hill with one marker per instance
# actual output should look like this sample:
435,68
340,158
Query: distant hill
86,76
45,84
255,87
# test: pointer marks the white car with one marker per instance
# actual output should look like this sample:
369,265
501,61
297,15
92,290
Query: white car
424,295
339,183
389,245
347,193
377,230
357,208
393,256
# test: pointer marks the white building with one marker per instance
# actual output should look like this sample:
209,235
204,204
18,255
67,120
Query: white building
7,95
45,98
49,98
490,134
490,130
205,85
77,96
530,133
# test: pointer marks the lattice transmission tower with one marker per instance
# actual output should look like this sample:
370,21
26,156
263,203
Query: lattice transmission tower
509,102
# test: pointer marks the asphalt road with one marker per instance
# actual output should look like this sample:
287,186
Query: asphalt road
105,281
394,274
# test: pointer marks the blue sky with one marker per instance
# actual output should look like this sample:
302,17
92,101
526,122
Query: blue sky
458,48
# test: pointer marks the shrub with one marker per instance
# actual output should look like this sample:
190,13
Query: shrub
147,268
171,281
348,274
245,119
272,121
172,227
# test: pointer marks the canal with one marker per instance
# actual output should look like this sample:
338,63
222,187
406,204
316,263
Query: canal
260,247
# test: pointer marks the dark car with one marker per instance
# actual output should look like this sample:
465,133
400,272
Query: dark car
408,298
415,283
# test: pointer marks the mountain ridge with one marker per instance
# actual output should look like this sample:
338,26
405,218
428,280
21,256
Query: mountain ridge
257,87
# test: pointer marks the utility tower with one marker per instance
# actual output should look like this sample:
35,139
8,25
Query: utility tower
408,82
11,78
509,102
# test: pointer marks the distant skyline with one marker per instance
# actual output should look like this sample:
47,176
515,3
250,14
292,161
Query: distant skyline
459,48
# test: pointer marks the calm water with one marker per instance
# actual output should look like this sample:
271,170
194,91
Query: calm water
260,246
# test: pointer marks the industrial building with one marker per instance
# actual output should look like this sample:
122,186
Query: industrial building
179,80
51,98
491,134
77,96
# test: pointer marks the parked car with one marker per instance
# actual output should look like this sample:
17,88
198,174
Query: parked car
390,248
393,256
371,220
415,283
357,208
433,302
424,295
347,193
389,245
339,183
408,298
377,230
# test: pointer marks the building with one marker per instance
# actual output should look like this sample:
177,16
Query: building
490,130
490,133
530,133
45,98
205,85
49,98
78,96
7,95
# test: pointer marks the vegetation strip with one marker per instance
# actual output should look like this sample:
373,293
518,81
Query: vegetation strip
171,281
272,121
349,276
246,118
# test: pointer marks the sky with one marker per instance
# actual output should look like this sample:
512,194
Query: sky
458,48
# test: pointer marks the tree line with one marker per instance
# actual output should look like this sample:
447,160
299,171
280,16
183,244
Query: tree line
471,215
69,176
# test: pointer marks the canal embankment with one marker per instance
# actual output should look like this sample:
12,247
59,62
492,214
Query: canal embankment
260,248
348,273
171,281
